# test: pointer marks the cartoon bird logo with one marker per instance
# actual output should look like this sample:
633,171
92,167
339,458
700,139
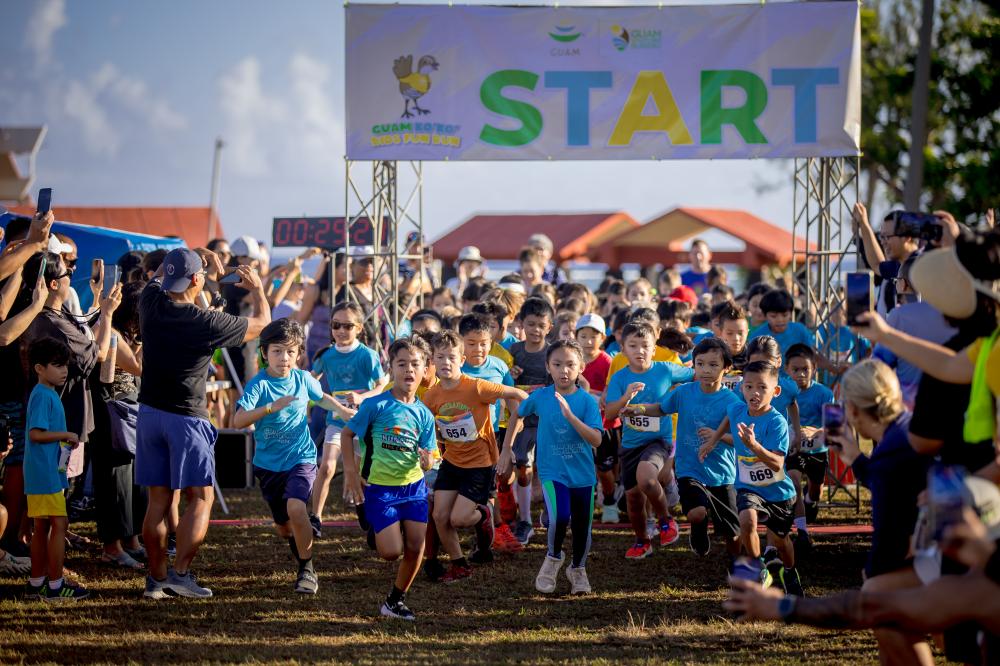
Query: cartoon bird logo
413,85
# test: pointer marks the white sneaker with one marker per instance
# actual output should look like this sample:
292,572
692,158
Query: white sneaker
12,565
578,582
545,581
652,529
609,513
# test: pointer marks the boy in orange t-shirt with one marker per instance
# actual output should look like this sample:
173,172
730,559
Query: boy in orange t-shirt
461,407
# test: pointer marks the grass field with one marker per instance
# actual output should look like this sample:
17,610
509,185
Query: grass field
665,609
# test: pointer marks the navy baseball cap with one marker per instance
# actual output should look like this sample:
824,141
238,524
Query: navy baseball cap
179,267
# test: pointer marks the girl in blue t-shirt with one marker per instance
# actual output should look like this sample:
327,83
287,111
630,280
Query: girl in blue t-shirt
569,429
351,372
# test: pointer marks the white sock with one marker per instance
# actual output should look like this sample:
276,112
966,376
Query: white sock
800,523
55,584
37,582
523,494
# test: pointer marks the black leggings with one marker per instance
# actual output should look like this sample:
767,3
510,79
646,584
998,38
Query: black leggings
569,507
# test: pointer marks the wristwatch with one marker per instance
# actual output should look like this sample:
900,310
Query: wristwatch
786,608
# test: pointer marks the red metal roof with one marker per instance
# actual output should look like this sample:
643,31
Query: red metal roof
501,236
664,239
190,223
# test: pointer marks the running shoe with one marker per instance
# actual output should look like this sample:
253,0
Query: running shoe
508,505
698,538
485,532
504,540
65,592
523,531
317,526
578,581
766,579
639,551
155,589
790,582
397,610
771,558
545,581
433,569
307,581
34,592
185,586
609,513
669,532
456,573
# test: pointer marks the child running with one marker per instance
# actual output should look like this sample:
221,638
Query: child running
397,435
351,372
647,441
763,492
706,486
276,402
569,429
461,406
46,454
811,457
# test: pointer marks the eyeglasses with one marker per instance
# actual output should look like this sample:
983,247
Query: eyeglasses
337,325
67,273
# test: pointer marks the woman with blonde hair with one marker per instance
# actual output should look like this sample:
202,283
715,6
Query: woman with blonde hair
895,474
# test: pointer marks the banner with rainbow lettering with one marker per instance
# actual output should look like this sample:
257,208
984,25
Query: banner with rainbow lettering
439,82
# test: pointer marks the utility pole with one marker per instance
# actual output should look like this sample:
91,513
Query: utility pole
213,203
920,109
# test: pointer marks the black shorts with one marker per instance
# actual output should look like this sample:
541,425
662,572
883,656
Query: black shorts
719,501
656,452
524,446
813,465
606,454
777,516
500,434
473,483
279,487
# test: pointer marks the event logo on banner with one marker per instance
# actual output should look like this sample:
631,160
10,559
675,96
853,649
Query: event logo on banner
433,82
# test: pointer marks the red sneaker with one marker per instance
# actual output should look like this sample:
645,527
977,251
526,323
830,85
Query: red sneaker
455,574
669,533
485,532
639,551
508,505
504,541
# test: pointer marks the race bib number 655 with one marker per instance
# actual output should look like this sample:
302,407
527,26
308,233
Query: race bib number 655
643,423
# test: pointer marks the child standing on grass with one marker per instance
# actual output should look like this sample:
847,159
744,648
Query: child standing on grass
276,401
46,454
569,429
352,373
397,435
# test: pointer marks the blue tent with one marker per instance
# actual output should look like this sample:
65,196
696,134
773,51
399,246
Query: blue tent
100,243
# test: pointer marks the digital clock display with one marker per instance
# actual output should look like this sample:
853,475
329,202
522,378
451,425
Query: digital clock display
329,233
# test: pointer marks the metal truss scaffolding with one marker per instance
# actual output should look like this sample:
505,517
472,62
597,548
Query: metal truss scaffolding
825,190
393,201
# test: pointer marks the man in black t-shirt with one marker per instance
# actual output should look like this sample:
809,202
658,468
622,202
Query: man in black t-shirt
175,440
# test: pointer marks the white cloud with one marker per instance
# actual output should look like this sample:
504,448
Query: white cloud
249,115
134,95
319,133
99,135
49,17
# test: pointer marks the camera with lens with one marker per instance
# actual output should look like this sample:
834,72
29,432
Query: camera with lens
924,226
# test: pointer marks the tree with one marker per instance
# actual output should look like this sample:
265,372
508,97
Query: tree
962,149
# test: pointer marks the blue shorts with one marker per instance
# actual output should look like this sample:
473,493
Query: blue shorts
174,451
279,487
14,411
388,505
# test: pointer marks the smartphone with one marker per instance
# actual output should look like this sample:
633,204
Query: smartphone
96,268
833,418
860,295
41,268
112,276
231,278
44,200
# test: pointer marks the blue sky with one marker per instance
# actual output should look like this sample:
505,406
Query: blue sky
134,94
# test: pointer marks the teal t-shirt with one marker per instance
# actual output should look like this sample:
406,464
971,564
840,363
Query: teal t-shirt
561,454
696,409
811,403
794,333
282,438
356,370
41,461
771,430
391,432
492,370
639,430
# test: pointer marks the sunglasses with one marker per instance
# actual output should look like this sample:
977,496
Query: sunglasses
336,326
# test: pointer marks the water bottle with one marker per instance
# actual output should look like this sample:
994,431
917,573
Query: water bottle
108,365
946,497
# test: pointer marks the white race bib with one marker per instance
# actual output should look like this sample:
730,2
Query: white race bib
643,423
810,444
758,474
460,429
731,381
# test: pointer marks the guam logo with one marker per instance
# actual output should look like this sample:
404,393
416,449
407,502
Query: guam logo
413,85
565,34
620,37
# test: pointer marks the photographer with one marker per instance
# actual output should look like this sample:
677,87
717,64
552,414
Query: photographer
885,252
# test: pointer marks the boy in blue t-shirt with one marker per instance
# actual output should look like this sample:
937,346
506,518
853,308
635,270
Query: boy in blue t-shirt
647,441
706,486
352,373
397,435
569,431
777,306
763,492
46,454
276,402
811,457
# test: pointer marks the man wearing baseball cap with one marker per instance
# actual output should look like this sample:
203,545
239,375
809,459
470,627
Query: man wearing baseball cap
175,440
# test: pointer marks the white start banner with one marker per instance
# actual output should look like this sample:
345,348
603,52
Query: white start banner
439,82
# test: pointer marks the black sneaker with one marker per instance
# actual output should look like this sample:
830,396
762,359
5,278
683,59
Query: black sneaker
433,569
790,581
812,511
397,610
803,544
370,539
307,582
481,556
700,543
316,525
